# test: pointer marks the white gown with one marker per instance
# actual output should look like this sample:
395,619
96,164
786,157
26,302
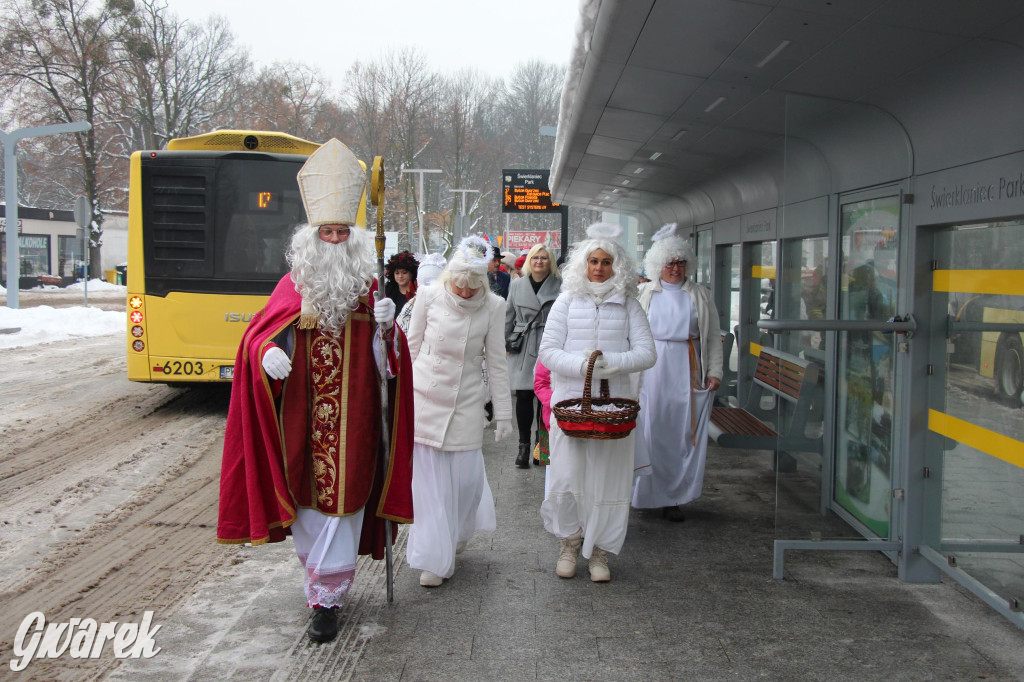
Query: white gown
673,413
452,501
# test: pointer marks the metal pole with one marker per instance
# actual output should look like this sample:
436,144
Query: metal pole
10,142
419,207
462,217
377,199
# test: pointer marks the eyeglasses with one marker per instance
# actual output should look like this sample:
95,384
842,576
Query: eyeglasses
675,264
327,232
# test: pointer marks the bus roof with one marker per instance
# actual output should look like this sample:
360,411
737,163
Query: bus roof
245,140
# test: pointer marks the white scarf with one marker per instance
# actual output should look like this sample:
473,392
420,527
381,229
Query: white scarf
600,292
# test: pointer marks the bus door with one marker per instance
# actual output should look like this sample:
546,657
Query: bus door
974,440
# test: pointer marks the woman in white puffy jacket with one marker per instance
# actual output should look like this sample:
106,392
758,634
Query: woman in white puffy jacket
455,323
589,480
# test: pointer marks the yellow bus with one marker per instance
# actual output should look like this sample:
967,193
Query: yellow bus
209,221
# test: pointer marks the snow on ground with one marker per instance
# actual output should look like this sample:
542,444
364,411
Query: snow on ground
95,285
43,324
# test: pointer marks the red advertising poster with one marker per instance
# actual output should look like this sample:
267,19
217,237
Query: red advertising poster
518,240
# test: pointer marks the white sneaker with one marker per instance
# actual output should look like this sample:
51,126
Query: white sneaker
599,572
566,565
428,579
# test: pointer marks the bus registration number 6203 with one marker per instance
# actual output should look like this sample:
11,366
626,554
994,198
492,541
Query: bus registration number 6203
179,368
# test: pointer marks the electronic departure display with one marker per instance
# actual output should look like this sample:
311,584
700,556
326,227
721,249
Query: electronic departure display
527,190
264,202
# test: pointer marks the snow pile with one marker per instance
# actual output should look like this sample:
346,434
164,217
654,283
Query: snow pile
44,324
96,285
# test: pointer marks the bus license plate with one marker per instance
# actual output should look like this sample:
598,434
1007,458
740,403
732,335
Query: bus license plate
227,372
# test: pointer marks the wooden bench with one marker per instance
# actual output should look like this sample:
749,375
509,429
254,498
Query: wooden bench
755,426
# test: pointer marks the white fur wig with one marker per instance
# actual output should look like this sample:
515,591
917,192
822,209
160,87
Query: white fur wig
468,265
604,236
668,245
431,266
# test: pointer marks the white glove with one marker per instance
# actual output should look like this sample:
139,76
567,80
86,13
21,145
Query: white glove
600,362
276,363
384,313
502,429
604,372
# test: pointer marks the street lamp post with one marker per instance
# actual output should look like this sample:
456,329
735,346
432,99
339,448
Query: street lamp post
461,232
419,206
10,142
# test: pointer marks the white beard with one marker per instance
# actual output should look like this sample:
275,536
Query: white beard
331,277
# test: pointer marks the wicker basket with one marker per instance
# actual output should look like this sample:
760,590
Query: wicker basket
578,419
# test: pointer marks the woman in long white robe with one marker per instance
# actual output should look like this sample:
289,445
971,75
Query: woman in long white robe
677,393
455,323
587,502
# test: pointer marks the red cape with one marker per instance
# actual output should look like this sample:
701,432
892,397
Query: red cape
256,504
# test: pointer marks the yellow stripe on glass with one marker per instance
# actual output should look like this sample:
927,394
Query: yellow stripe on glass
762,271
1009,282
991,443
755,349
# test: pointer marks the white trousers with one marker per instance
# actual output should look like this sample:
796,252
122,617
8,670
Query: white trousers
451,501
327,547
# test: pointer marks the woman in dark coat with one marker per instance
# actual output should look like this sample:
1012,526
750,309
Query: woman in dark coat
401,279
539,285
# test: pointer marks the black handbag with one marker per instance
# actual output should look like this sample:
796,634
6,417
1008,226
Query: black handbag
515,340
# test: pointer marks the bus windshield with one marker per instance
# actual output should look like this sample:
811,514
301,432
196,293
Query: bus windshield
218,225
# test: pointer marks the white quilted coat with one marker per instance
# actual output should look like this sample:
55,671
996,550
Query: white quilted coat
618,327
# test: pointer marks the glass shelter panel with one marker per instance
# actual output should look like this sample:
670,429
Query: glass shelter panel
976,405
869,233
704,249
803,483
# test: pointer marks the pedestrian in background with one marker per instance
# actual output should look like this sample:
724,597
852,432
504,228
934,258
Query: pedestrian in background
497,280
676,394
587,503
427,272
529,300
454,324
400,273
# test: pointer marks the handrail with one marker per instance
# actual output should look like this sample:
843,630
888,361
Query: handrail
899,325
954,326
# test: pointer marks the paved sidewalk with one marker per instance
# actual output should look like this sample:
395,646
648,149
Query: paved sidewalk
688,601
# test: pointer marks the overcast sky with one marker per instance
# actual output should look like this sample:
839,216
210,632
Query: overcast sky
487,35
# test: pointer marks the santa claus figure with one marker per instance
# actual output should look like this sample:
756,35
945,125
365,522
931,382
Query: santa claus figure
304,450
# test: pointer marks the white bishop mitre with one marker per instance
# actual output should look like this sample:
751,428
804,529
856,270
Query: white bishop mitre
331,182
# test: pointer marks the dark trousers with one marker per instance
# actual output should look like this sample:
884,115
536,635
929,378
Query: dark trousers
527,406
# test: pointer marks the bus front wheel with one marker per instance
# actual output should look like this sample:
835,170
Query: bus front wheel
1009,369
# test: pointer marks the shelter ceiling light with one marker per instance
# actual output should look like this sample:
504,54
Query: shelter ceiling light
679,135
773,54
625,182
655,155
714,104
639,170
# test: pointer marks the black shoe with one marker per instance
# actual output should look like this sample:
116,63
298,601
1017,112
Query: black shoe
673,513
324,626
523,458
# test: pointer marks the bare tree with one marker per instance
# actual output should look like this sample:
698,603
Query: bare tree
293,98
183,78
58,58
